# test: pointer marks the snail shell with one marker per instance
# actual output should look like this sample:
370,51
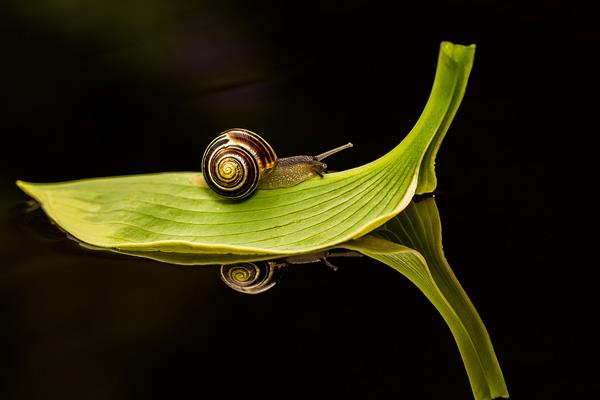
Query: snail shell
235,161
250,278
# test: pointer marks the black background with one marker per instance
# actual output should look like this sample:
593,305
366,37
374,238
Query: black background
101,88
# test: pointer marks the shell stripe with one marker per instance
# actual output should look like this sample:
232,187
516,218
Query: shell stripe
260,149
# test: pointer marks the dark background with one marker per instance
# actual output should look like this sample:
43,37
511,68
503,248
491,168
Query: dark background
100,88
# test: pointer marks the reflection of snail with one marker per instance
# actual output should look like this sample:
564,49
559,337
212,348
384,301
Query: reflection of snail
251,278
238,161
257,277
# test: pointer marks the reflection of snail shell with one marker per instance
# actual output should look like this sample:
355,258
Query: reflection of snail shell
251,278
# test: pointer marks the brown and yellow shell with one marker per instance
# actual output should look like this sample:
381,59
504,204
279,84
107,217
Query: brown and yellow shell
235,161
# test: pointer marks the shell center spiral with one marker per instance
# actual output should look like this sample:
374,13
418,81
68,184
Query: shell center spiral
229,169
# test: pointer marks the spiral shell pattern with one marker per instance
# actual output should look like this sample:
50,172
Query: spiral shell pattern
234,162
251,278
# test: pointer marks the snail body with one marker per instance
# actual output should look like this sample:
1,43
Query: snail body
238,161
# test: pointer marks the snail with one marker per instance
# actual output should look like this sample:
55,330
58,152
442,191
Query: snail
258,277
239,161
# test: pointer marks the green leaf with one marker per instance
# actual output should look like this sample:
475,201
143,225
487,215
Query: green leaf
411,243
166,212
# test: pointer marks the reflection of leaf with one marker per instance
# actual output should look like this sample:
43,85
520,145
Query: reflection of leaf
165,212
411,243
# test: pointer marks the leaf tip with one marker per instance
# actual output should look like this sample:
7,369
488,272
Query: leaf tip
22,185
29,189
459,52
